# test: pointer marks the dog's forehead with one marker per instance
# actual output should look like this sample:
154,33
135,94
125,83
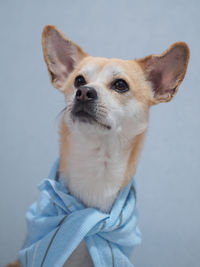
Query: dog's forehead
102,69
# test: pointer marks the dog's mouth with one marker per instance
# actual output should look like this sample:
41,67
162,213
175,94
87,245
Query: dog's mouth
86,117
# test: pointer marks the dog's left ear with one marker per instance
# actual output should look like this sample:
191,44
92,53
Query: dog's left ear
165,72
61,55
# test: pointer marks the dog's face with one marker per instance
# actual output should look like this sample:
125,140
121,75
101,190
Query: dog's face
102,97
107,96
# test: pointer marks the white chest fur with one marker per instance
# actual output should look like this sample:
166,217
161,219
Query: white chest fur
95,168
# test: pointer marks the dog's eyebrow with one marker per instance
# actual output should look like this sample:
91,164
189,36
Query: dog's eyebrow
117,73
108,73
90,70
111,72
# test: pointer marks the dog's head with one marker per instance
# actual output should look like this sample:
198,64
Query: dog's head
106,96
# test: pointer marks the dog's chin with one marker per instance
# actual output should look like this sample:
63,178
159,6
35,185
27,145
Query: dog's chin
89,123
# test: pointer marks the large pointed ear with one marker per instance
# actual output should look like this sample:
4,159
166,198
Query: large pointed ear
60,54
165,72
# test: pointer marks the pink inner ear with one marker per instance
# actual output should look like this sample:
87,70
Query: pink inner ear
167,71
65,51
61,54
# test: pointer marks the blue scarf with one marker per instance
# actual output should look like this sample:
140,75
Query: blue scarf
58,222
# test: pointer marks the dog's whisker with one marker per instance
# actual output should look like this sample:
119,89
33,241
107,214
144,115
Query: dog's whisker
61,112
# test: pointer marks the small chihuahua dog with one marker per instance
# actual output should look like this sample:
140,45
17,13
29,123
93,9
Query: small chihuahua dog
104,123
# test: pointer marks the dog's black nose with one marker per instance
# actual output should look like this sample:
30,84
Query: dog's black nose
85,93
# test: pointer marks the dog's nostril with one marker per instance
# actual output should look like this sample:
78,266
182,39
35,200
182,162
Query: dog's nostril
85,93
90,94
78,93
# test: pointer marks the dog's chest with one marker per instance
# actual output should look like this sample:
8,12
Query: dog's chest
79,257
95,170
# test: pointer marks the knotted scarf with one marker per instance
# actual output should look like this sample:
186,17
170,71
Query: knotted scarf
58,222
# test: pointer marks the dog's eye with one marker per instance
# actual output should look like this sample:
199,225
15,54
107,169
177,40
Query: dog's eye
79,81
120,86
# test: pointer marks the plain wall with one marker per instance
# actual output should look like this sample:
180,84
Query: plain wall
168,179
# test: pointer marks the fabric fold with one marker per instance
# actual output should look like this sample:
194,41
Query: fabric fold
58,222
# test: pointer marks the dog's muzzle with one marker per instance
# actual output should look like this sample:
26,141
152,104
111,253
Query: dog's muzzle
86,109
85,102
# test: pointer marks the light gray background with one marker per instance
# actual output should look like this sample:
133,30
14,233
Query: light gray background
168,179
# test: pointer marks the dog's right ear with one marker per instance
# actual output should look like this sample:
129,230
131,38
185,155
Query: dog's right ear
165,72
60,54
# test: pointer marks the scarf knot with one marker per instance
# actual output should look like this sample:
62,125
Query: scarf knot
58,222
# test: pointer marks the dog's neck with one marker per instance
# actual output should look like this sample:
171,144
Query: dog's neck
97,167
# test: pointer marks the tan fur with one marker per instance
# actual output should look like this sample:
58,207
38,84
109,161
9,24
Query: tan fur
134,72
81,54
140,90
14,264
136,147
144,61
139,87
135,75
64,133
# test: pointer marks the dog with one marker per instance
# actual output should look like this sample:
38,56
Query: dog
103,126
